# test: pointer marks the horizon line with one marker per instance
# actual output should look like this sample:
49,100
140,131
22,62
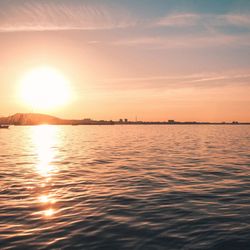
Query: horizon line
126,120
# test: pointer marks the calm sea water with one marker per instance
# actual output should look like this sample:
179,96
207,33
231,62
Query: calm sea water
125,187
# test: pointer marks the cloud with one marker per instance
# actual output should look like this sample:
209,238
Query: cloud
241,20
185,41
73,15
205,80
197,19
179,19
39,16
193,30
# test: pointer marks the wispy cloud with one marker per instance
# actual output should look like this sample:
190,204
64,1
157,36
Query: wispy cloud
193,30
186,41
205,80
235,19
67,15
179,19
37,16
197,19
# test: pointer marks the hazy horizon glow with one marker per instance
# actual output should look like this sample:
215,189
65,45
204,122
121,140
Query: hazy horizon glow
157,60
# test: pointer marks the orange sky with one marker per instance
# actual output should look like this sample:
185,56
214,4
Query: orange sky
122,61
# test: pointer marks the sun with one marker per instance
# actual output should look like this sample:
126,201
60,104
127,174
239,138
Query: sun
45,88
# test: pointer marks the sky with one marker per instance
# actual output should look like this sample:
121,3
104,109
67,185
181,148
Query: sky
187,60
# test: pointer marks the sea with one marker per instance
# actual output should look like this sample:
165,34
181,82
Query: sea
125,187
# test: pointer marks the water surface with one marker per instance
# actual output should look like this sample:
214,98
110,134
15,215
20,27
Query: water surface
125,187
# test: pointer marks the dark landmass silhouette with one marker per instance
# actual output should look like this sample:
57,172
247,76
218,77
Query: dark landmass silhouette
31,119
39,119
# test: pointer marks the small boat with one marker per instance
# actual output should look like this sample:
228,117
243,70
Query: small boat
4,126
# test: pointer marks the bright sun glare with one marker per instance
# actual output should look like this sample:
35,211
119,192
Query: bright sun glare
44,88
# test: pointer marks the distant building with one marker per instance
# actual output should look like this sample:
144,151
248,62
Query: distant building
171,121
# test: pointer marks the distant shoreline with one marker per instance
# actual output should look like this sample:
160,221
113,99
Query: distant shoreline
28,119
135,123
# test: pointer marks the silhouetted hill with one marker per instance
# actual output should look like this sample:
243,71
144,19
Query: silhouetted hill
37,119
33,119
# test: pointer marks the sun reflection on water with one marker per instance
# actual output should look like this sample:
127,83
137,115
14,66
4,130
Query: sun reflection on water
49,212
45,139
44,199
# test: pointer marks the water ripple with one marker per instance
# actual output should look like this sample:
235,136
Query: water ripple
125,187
